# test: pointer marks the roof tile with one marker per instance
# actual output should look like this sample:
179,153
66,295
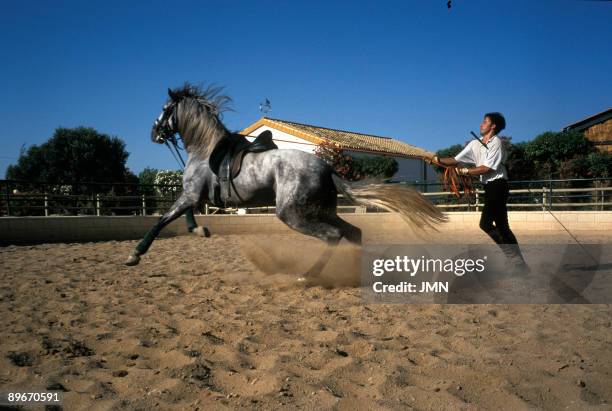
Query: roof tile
344,139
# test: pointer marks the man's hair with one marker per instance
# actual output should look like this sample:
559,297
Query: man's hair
497,119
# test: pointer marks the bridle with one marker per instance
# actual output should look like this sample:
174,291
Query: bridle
165,124
166,128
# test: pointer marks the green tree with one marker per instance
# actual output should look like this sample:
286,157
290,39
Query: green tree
375,166
599,165
147,176
450,151
74,155
550,150
575,167
146,180
517,164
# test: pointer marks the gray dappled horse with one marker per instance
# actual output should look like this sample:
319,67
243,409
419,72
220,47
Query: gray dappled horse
303,187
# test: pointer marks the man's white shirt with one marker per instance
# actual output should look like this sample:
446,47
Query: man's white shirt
493,156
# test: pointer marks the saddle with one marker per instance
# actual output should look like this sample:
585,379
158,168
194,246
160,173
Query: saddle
226,161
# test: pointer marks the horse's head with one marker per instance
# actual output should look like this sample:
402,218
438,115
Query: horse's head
166,125
194,114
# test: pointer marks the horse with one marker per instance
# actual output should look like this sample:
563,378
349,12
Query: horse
303,187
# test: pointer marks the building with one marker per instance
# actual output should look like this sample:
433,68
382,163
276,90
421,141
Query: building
305,137
596,128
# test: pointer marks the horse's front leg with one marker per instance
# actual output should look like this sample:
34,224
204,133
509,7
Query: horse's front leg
181,205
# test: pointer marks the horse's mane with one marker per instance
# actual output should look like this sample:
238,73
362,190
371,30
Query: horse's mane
198,113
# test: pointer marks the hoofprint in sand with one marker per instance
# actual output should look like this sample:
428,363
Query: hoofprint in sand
199,326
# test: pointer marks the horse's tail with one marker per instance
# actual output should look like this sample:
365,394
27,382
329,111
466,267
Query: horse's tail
412,206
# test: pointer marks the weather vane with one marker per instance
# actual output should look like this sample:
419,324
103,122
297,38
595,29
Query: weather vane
265,106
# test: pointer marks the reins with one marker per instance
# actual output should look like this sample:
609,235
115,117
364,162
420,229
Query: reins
177,156
456,183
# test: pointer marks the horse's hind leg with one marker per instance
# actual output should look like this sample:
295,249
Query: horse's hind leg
314,226
349,231
192,225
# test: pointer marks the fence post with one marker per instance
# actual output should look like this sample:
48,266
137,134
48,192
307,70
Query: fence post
476,203
206,208
144,205
46,204
98,204
543,198
599,189
550,198
8,200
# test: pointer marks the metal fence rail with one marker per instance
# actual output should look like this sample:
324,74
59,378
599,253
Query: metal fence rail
562,194
84,198
24,198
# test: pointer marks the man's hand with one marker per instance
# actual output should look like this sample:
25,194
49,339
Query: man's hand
474,171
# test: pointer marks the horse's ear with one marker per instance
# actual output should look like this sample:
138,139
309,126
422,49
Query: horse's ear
171,94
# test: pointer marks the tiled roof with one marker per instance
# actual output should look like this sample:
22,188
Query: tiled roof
344,139
589,121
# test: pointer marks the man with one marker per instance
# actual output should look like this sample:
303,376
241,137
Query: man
488,160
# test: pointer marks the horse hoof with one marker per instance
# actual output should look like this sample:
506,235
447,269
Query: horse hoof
306,281
132,260
201,231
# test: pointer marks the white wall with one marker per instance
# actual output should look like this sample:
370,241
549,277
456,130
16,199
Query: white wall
36,230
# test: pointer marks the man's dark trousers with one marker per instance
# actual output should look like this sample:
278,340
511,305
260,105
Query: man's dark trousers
495,211
494,218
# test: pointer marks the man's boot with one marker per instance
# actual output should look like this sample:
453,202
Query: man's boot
518,265
512,252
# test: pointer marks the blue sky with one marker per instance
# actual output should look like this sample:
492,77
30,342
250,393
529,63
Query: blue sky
413,70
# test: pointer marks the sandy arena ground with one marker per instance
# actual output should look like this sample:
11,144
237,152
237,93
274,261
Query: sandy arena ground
203,328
